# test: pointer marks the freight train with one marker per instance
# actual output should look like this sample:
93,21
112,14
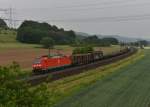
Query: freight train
59,61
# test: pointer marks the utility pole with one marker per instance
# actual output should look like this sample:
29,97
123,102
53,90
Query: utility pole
10,18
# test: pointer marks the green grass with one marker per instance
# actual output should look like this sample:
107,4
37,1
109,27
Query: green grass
126,87
17,45
8,41
7,36
73,84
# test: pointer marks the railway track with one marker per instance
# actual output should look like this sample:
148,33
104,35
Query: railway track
37,79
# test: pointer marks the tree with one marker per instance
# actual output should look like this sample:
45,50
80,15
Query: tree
47,42
3,24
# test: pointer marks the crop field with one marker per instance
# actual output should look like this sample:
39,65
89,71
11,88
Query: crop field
11,50
24,54
126,87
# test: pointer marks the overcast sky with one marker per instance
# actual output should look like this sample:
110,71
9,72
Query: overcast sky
117,17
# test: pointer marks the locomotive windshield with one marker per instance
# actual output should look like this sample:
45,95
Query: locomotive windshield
37,61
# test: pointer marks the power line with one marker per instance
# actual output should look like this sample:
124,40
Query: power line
98,19
97,4
94,5
9,15
107,7
10,18
100,8
3,10
107,19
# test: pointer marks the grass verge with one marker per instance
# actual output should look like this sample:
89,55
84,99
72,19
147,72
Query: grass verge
69,85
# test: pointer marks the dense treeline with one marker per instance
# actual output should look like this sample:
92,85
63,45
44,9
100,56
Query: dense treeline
95,41
139,43
33,32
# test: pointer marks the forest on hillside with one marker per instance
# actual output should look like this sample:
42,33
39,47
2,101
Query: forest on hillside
34,32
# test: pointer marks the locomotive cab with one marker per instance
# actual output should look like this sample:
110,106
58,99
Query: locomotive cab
37,64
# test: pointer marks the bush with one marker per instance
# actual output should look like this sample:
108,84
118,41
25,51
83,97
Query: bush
83,50
16,93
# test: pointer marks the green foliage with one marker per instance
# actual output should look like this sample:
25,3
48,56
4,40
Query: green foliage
95,41
16,93
83,50
47,42
3,24
7,35
33,32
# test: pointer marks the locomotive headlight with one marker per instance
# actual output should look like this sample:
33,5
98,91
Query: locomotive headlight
39,65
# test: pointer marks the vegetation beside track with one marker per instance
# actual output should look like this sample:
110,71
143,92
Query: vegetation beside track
67,86
15,93
128,87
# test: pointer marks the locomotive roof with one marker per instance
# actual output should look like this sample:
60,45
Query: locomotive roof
52,56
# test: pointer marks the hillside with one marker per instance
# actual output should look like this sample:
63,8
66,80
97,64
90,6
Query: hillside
120,38
7,36
82,34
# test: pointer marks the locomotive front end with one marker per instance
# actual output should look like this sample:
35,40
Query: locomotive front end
37,65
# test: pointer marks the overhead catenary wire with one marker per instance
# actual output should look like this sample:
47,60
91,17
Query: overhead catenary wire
97,4
106,19
98,19
107,7
103,5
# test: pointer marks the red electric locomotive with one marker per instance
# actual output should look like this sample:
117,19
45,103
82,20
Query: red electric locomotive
45,63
